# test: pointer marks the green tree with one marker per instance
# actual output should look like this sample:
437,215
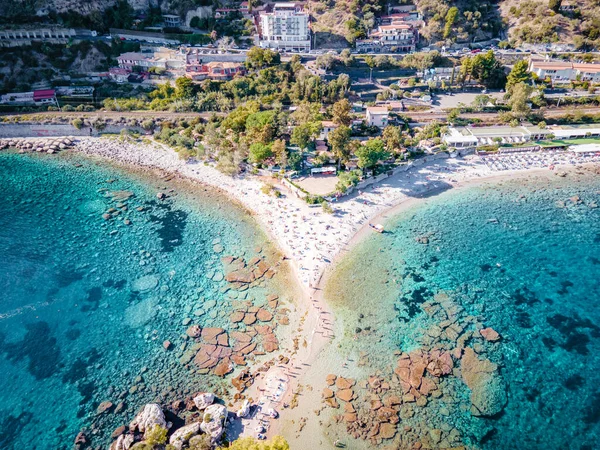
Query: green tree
339,139
250,443
304,133
184,88
258,58
481,101
554,5
156,436
325,62
519,100
279,150
370,153
259,153
341,112
518,74
392,138
483,68
451,16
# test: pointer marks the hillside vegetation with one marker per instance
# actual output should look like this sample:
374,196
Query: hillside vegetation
542,21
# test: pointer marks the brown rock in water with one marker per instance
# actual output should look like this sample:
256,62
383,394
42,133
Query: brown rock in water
118,431
427,385
344,383
263,315
327,393
194,331
387,431
104,407
488,391
80,440
237,316
240,337
240,276
350,417
489,334
261,269
332,402
223,368
331,379
416,373
345,395
210,334
239,360
349,408
270,345
249,318
223,340
167,345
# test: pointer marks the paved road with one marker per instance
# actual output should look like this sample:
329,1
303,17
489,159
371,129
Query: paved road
420,116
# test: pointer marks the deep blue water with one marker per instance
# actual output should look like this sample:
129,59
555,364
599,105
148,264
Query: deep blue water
86,302
522,257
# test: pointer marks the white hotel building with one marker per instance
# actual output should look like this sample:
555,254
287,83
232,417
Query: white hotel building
286,28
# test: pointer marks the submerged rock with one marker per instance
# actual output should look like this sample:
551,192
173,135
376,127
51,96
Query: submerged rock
144,283
488,391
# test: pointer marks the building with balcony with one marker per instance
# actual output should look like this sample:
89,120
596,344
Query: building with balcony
378,116
397,35
285,28
559,71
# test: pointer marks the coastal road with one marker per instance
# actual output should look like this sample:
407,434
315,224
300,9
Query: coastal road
416,116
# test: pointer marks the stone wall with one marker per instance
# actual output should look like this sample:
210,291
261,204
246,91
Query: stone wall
12,130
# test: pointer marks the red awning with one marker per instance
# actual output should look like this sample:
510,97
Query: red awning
43,94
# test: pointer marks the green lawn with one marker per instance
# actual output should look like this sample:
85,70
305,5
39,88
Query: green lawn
575,141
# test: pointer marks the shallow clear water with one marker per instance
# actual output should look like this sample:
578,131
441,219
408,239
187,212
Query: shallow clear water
522,257
86,302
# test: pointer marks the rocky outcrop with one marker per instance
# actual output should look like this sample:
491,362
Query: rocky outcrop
123,442
147,418
181,436
213,421
244,410
204,400
488,391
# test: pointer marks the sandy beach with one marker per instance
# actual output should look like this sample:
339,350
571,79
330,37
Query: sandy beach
311,239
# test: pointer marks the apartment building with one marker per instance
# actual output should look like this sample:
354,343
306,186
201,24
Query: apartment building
559,71
285,28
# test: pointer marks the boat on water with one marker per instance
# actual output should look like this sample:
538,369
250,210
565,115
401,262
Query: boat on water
377,227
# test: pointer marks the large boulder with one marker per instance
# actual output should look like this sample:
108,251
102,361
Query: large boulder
488,390
147,418
244,410
214,420
182,435
203,400
123,442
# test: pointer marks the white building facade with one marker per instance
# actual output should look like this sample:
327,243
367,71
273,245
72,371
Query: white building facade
559,71
286,28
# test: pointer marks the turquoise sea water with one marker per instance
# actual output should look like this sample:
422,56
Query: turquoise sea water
87,301
522,257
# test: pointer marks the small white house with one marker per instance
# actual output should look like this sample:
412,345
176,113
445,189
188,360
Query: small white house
328,127
378,116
